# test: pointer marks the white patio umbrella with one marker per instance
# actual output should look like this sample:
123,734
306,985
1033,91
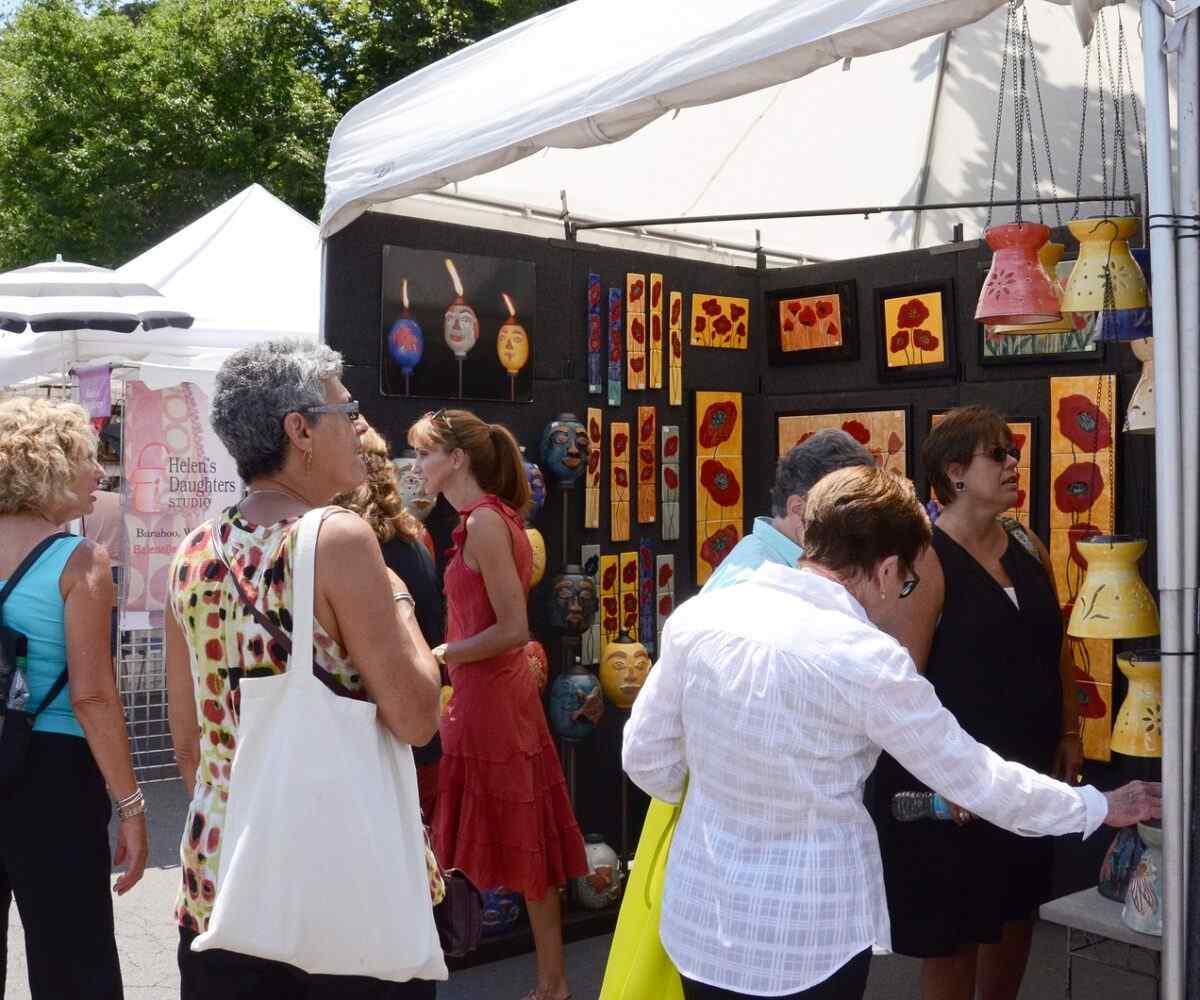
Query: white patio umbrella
62,295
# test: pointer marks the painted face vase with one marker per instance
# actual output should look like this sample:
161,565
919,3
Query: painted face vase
567,694
573,601
406,342
512,343
623,670
565,449
460,324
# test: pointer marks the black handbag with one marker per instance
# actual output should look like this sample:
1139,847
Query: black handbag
16,718
459,916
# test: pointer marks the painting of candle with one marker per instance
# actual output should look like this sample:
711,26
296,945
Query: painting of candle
457,326
512,346
406,341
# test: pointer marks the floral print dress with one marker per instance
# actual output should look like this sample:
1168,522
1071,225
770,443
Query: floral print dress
227,644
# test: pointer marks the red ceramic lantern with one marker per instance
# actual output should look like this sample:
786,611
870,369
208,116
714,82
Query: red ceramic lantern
1017,289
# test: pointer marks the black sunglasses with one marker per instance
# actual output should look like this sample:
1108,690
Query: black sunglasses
909,585
350,408
1000,453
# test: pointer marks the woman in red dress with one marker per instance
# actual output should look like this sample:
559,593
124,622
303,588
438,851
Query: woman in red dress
503,813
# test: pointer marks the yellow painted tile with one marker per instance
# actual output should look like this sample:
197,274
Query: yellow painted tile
1073,482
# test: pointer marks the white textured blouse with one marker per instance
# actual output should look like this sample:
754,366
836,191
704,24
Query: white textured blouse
773,699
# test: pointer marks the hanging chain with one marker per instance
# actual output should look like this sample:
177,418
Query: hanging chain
1008,26
1083,110
1100,110
1123,54
1037,86
1027,122
1019,112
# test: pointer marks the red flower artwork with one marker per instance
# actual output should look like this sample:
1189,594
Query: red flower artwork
593,460
594,430
1083,423
857,430
646,465
833,331
636,362
637,330
718,545
594,293
665,572
593,333
807,317
925,340
676,345
629,572
670,477
614,310
736,312
621,475
1091,705
635,291
665,605
614,350
699,324
619,443
1078,533
656,328
655,293
794,306
898,342
721,482
722,325
676,310
1078,487
646,431
718,424
824,309
711,307
913,313
610,578
671,446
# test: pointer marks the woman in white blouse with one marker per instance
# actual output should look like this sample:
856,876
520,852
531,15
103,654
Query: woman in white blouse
770,702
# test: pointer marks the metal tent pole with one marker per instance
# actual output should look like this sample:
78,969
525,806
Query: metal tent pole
1168,490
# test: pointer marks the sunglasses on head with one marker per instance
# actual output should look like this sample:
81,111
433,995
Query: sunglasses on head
1000,453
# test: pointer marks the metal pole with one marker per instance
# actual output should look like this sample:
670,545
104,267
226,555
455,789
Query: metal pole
923,183
1169,493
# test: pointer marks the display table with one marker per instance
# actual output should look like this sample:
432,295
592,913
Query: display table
1095,933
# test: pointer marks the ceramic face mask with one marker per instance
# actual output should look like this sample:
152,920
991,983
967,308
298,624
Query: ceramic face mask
623,671
565,449
412,489
573,602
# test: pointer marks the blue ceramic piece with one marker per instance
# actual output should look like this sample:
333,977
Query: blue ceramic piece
565,448
537,489
567,694
501,911
406,344
1119,863
1124,325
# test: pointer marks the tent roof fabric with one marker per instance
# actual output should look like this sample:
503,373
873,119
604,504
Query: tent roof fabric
651,108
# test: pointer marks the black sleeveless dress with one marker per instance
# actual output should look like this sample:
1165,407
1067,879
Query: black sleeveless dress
996,668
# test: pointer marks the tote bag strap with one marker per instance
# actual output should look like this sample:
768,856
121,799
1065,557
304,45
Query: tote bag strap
300,663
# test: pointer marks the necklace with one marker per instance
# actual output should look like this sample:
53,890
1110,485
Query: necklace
280,493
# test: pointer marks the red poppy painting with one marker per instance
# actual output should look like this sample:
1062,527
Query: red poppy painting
810,322
720,321
718,424
1083,423
882,432
718,470
916,322
1078,487
721,482
718,545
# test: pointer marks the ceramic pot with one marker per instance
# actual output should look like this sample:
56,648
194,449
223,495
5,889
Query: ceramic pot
1138,729
568,692
1124,325
501,910
1018,290
573,601
565,449
1120,860
1139,417
1113,601
1050,256
1142,911
602,885
1105,276
623,670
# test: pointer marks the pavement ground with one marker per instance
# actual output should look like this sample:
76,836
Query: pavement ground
147,938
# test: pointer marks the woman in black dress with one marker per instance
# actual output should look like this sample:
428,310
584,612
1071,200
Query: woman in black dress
402,539
962,895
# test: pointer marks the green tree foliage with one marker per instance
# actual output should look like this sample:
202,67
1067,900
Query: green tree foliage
120,122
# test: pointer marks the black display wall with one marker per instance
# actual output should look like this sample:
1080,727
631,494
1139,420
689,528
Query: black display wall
558,359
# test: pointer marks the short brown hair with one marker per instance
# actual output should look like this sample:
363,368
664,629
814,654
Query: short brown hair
858,516
954,440
377,501
492,452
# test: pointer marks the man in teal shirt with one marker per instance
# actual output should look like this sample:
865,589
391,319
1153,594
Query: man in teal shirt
777,538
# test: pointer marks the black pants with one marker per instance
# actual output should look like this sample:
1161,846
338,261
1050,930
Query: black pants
848,983
54,860
226,975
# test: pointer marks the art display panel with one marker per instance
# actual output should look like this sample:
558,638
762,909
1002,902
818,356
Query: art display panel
719,501
884,433
813,324
916,332
720,321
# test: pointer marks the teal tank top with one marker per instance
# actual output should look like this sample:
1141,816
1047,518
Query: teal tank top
35,608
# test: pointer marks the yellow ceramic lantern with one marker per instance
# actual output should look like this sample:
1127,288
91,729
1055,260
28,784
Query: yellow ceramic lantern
1139,417
1138,729
538,544
1105,276
1050,255
1113,602
623,670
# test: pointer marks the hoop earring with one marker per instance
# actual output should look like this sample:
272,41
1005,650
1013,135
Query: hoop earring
960,487
308,462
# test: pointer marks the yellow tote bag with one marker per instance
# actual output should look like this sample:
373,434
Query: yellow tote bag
638,966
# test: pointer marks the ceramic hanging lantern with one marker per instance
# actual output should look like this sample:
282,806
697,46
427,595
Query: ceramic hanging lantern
601,886
406,342
565,448
623,670
1138,729
573,601
1017,289
1125,325
1105,277
512,346
1113,601
568,693
1050,256
1139,417
1143,907
460,325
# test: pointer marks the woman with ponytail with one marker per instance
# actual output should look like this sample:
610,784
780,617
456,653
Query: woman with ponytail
503,813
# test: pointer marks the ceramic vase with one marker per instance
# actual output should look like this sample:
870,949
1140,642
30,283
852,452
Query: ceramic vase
1105,275
1142,911
1017,289
602,885
501,910
1138,729
1113,601
1139,417
568,692
1120,860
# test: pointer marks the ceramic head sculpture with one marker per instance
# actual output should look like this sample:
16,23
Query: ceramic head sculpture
623,670
406,342
573,601
412,487
565,449
460,324
512,342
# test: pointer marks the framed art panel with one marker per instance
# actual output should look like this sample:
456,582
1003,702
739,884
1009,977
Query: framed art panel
883,432
915,325
719,509
1072,339
814,324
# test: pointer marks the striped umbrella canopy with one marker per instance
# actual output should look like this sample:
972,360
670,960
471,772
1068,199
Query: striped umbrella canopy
63,295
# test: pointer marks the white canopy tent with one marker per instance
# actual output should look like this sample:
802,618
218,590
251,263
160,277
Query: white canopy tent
248,270
710,108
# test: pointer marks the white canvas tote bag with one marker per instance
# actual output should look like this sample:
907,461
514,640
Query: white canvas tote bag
323,863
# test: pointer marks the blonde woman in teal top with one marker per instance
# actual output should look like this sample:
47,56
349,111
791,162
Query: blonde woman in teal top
54,851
